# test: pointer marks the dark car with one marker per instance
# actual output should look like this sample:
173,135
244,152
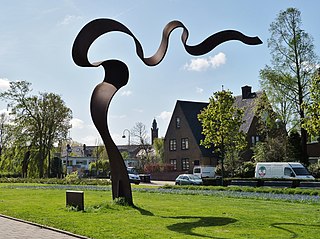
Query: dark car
188,179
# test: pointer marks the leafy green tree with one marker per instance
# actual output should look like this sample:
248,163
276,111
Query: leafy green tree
102,163
293,61
221,121
273,144
267,118
38,120
278,97
125,155
312,121
274,150
158,145
294,140
56,167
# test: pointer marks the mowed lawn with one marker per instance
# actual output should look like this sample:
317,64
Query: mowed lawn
164,215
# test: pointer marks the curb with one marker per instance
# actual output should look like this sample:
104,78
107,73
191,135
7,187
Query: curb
45,227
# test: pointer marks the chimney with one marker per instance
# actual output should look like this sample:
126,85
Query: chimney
246,92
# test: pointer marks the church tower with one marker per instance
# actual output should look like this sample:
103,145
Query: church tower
154,131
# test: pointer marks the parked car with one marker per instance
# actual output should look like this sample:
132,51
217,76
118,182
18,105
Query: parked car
188,179
133,175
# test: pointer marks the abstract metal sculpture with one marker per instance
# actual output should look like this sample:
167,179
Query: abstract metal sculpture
117,75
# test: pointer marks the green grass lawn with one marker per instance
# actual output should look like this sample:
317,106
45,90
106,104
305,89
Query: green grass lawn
164,215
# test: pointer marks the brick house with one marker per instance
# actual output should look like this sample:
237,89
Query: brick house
182,140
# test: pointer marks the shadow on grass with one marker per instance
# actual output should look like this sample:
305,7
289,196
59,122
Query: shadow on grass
187,227
281,226
143,211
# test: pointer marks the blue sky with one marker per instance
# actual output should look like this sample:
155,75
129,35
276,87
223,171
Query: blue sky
36,37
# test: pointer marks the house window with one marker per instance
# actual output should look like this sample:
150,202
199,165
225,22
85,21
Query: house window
184,143
178,122
174,163
185,163
254,139
173,145
196,162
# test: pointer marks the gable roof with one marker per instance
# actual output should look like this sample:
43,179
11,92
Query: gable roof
191,110
248,105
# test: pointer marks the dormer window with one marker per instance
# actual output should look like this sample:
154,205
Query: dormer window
178,122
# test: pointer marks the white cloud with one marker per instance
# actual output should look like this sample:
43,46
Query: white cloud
126,93
165,115
77,123
4,84
218,60
199,64
202,64
199,90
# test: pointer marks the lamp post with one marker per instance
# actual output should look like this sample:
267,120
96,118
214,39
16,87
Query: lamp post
2,121
278,122
69,150
129,133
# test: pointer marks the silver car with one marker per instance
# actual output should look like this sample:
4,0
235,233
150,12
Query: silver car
188,179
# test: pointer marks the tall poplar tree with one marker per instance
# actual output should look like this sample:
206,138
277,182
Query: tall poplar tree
292,63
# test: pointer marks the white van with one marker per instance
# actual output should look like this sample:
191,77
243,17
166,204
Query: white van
282,170
204,171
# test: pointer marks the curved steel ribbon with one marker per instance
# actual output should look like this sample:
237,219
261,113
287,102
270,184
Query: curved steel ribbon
91,31
117,75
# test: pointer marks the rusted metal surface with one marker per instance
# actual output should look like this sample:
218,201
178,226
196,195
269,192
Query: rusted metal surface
117,76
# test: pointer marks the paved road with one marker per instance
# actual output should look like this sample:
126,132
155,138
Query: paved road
11,228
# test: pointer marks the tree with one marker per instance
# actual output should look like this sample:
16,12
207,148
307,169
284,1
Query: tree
158,145
273,144
279,98
293,61
56,167
274,150
312,121
294,140
38,120
102,163
4,136
221,122
267,118
140,137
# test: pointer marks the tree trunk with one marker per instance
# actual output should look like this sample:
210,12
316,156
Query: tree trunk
40,164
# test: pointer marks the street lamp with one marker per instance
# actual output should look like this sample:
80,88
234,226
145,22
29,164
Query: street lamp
278,122
129,133
69,150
